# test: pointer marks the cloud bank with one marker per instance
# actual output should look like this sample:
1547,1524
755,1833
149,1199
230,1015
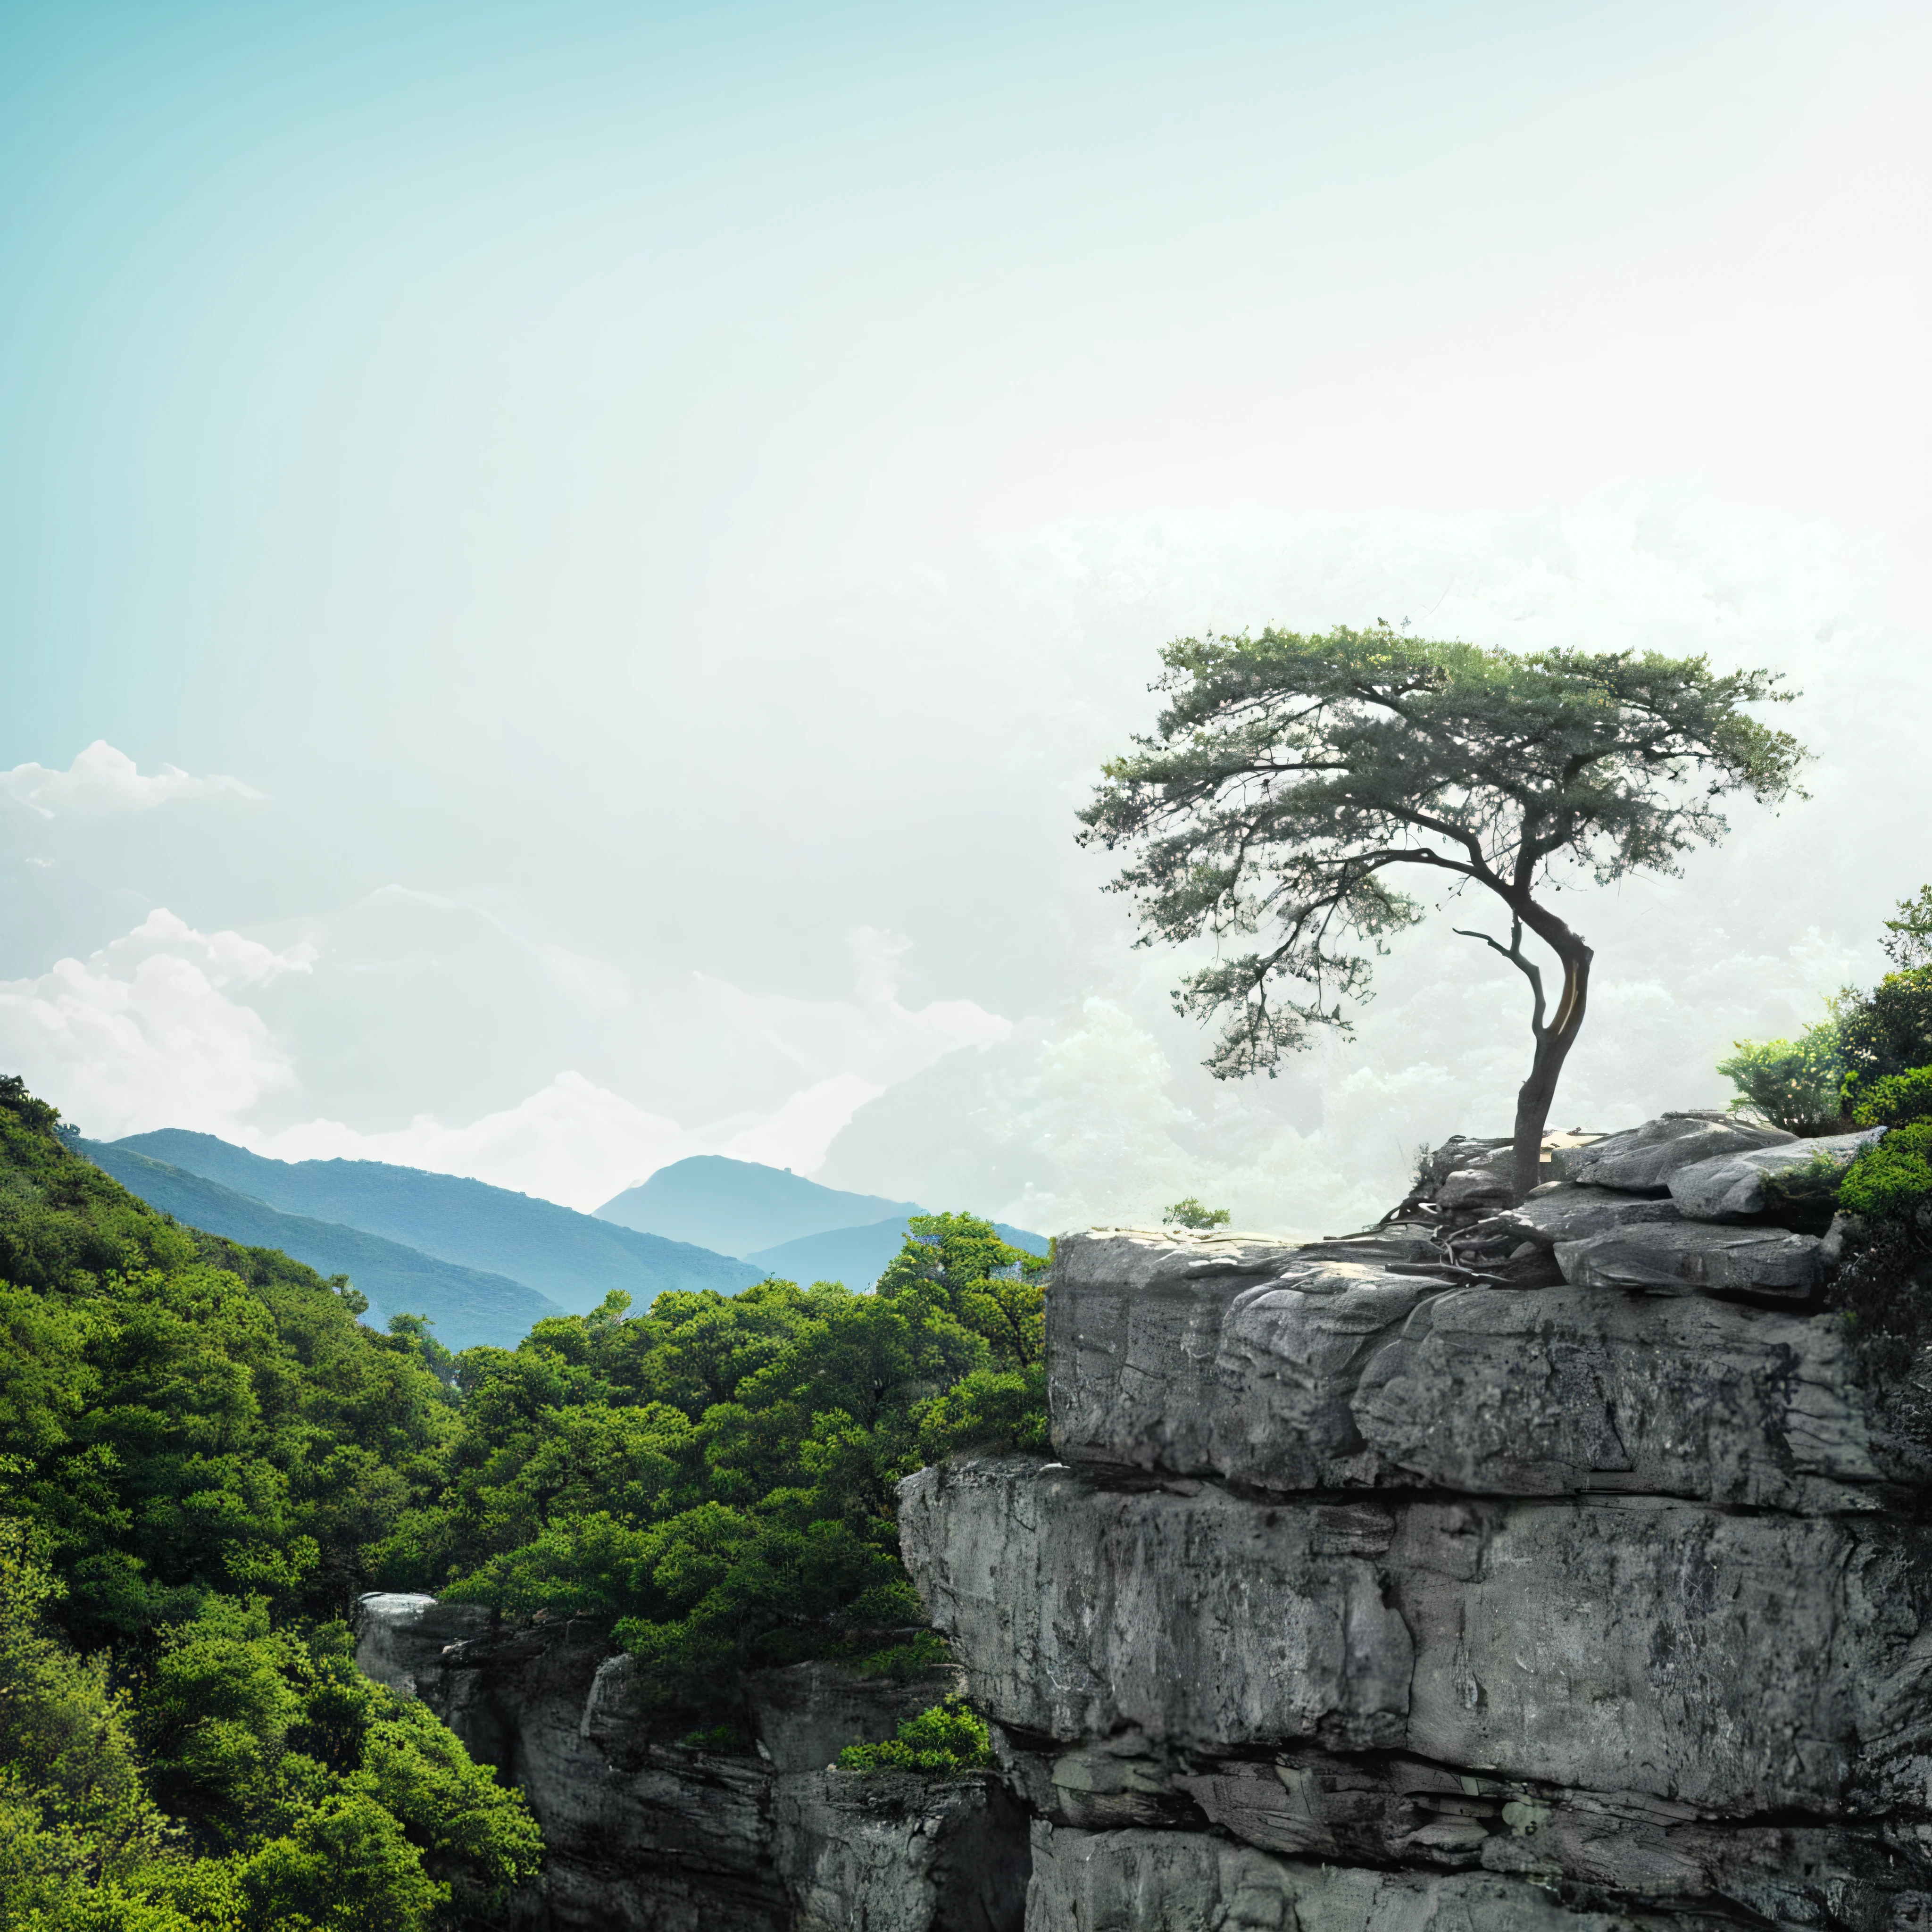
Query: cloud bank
103,782
150,1031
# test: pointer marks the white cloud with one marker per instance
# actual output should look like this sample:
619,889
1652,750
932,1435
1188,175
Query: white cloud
102,782
871,1038
577,1143
146,1032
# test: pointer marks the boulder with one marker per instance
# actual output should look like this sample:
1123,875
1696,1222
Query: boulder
1487,1181
1563,1211
1695,1257
1133,1370
1738,1664
1730,1187
1642,1160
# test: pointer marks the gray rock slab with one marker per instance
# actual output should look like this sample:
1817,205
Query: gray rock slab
400,1634
1562,1211
1398,1812
1742,1664
1642,1160
1731,1186
1152,1881
1338,1374
1695,1257
901,1852
1139,1375
806,1714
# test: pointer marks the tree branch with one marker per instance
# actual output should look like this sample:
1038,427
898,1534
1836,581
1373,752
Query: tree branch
1514,953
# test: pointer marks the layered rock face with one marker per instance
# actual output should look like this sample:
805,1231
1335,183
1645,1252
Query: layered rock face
645,1836
1369,1595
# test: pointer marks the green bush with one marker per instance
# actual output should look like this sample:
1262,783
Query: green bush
718,1475
1190,1213
1896,1101
1887,1031
948,1737
1892,1180
1794,1084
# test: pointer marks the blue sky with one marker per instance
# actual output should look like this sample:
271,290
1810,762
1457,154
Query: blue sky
645,501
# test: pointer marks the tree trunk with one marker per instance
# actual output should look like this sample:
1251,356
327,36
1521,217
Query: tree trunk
1537,1094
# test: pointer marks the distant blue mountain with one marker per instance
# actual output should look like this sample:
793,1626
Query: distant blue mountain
858,1256
468,1307
742,1207
574,1259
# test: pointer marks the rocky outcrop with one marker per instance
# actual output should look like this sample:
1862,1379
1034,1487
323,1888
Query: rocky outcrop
646,1836
1368,1593
1250,1363
1642,1161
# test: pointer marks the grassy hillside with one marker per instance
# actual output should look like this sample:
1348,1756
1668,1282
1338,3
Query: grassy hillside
573,1259
468,1307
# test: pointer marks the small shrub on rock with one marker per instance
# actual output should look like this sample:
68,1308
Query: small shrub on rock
948,1737
1893,1181
1190,1213
1794,1085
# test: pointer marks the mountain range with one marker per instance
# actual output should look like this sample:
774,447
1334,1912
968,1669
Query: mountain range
858,1256
742,1207
485,1263
469,1307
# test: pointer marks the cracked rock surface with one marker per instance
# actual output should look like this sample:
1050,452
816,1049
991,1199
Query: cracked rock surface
1370,1592
642,1836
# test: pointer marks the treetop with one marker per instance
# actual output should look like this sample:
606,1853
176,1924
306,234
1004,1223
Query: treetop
1290,775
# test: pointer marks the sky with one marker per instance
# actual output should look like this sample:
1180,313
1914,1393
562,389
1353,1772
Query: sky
564,570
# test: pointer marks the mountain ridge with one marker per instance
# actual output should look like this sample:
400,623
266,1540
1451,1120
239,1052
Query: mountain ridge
468,1307
571,1259
711,1200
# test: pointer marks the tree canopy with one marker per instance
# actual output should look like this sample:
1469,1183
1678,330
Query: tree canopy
199,1440
1297,790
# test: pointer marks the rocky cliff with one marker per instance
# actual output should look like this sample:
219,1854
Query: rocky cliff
643,1836
1560,1567
1554,1568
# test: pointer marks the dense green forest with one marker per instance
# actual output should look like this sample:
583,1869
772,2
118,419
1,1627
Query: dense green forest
207,1456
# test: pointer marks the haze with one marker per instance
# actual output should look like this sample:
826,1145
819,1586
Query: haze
564,569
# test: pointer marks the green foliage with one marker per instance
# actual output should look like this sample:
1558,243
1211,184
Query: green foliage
922,1653
1190,1213
198,1440
208,1454
1887,1031
1892,1181
182,1417
1804,1198
1910,943
718,1476
948,1737
1794,1084
1896,1101
1293,779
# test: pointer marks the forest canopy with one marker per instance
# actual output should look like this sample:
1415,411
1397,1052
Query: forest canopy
207,1456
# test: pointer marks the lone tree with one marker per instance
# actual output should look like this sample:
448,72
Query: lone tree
1293,781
